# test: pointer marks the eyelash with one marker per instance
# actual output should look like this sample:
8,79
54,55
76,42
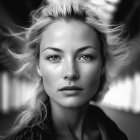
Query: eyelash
57,58
88,57
52,58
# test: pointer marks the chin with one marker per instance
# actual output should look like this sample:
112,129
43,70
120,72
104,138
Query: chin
74,103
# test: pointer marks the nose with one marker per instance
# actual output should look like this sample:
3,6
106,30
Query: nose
71,72
71,76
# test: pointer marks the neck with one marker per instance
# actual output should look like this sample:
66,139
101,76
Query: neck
68,121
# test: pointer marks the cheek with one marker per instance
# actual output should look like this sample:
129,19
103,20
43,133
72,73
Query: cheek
49,75
91,76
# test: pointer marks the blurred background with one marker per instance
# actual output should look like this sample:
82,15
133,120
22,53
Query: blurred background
121,103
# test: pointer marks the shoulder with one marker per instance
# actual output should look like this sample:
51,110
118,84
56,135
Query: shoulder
29,133
111,129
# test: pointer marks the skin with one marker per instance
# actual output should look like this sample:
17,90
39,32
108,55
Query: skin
70,56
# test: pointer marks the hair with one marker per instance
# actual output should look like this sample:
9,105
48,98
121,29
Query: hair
114,50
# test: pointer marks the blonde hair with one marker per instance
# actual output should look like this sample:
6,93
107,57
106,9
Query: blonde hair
114,49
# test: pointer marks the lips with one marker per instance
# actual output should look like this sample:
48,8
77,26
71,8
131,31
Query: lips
70,88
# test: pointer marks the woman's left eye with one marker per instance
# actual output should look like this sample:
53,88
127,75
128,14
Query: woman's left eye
85,57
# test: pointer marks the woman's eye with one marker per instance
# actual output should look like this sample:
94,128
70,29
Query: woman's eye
54,58
85,57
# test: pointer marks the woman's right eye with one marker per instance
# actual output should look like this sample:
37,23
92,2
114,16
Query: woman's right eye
54,58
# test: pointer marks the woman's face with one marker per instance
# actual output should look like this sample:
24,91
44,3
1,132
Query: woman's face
70,62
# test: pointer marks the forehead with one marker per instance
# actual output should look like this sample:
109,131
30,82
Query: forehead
71,32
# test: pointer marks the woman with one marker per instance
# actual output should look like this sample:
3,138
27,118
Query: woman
68,53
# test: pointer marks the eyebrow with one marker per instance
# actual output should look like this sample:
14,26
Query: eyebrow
79,50
85,48
52,48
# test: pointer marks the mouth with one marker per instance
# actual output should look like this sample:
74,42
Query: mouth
70,88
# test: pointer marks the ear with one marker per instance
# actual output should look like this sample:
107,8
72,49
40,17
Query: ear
39,71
